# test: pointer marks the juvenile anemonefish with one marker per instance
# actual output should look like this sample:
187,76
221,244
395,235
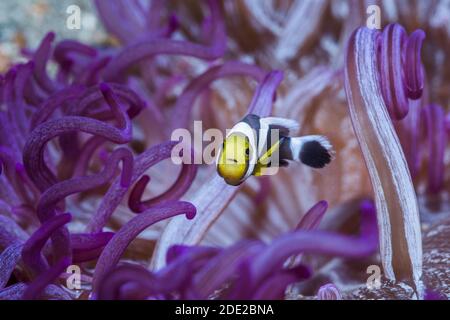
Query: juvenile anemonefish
250,147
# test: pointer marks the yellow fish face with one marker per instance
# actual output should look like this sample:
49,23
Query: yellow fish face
234,159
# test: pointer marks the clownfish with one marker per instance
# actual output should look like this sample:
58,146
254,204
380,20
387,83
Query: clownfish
250,148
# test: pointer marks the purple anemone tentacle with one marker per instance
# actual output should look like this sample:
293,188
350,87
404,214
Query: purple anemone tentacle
185,102
175,192
7,158
67,48
55,101
275,286
85,155
414,75
8,261
120,241
88,246
24,73
135,282
313,217
7,138
26,183
145,49
177,251
37,287
33,94
59,191
90,75
434,120
109,14
434,295
321,242
447,124
392,83
212,276
265,94
115,194
31,252
401,71
33,153
10,231
408,131
16,291
94,95
40,58
178,274
110,288
242,286
12,113
7,193
52,196
310,221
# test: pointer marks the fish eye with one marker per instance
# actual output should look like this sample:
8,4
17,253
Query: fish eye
247,151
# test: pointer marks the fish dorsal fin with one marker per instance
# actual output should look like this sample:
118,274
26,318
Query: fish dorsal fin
286,126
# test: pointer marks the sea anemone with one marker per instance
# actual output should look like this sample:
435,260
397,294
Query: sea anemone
92,208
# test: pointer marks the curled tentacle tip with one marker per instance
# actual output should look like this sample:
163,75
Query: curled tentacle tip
413,65
190,214
134,201
50,36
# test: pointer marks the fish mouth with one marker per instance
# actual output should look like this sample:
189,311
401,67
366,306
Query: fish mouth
233,182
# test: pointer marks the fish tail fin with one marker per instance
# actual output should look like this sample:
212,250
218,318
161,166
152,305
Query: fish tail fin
314,151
